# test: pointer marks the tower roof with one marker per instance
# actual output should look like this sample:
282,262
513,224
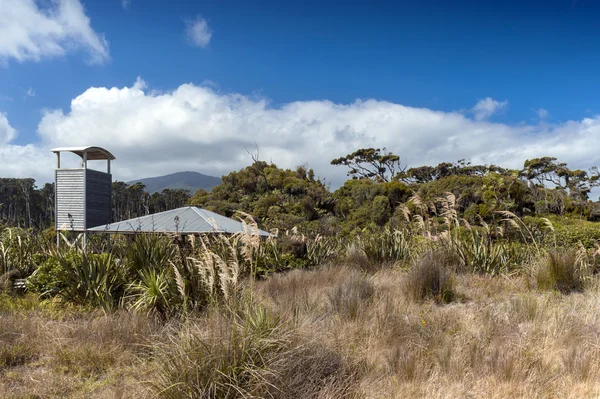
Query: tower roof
93,153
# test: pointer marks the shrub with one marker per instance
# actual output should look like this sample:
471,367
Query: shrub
429,278
480,254
149,252
386,246
561,271
92,280
49,278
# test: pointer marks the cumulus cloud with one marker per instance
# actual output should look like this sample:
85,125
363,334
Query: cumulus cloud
31,31
198,32
488,107
7,132
200,128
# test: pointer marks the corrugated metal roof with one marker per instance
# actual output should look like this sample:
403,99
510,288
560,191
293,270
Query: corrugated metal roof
93,153
186,220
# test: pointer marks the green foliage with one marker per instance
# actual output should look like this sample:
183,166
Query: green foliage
151,292
91,280
148,252
479,253
570,232
20,249
370,163
49,278
282,198
387,246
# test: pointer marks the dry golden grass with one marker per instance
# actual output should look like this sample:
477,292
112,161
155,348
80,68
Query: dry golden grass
345,333
46,352
502,339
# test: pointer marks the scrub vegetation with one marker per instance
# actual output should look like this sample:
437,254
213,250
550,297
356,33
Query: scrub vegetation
434,282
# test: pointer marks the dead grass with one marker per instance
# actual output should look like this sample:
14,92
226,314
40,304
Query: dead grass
50,352
332,332
502,340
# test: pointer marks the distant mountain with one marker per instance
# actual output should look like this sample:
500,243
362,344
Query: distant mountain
191,181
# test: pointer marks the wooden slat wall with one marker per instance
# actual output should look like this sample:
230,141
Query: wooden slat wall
77,193
69,199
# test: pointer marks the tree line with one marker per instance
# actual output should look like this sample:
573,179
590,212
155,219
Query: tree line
371,198
23,204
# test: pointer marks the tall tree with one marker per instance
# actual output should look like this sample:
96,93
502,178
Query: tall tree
371,163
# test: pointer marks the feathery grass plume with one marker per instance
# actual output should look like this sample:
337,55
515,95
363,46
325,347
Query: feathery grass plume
405,212
518,224
448,210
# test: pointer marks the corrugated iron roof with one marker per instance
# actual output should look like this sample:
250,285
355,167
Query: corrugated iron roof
186,220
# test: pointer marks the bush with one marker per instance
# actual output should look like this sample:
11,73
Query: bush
561,271
49,278
430,278
92,280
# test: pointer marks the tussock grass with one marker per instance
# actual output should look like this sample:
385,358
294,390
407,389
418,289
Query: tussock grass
561,271
248,352
430,278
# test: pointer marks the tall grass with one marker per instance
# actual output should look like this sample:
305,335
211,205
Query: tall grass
431,277
564,271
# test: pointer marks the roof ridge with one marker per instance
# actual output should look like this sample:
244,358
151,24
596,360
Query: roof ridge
199,213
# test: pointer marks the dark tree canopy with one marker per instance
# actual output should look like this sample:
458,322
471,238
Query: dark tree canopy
370,163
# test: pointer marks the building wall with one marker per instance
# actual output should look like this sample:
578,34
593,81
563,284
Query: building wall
85,195
70,196
98,198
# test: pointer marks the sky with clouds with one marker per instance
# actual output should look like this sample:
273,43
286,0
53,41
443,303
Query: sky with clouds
173,86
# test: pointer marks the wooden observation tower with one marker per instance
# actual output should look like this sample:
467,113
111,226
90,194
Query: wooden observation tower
83,197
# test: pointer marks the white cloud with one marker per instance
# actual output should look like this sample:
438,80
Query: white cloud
488,107
125,4
198,32
7,132
543,113
198,128
31,31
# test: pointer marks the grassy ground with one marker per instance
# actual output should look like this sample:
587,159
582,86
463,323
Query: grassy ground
332,332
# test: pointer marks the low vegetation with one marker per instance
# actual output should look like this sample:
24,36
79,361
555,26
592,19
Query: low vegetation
449,281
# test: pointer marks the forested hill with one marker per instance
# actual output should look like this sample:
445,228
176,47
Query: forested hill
190,181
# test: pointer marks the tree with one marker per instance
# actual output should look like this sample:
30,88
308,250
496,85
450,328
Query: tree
371,163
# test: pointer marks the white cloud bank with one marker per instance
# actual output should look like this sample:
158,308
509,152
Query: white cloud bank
199,128
198,32
32,30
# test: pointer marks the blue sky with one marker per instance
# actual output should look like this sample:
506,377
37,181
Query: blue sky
492,81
